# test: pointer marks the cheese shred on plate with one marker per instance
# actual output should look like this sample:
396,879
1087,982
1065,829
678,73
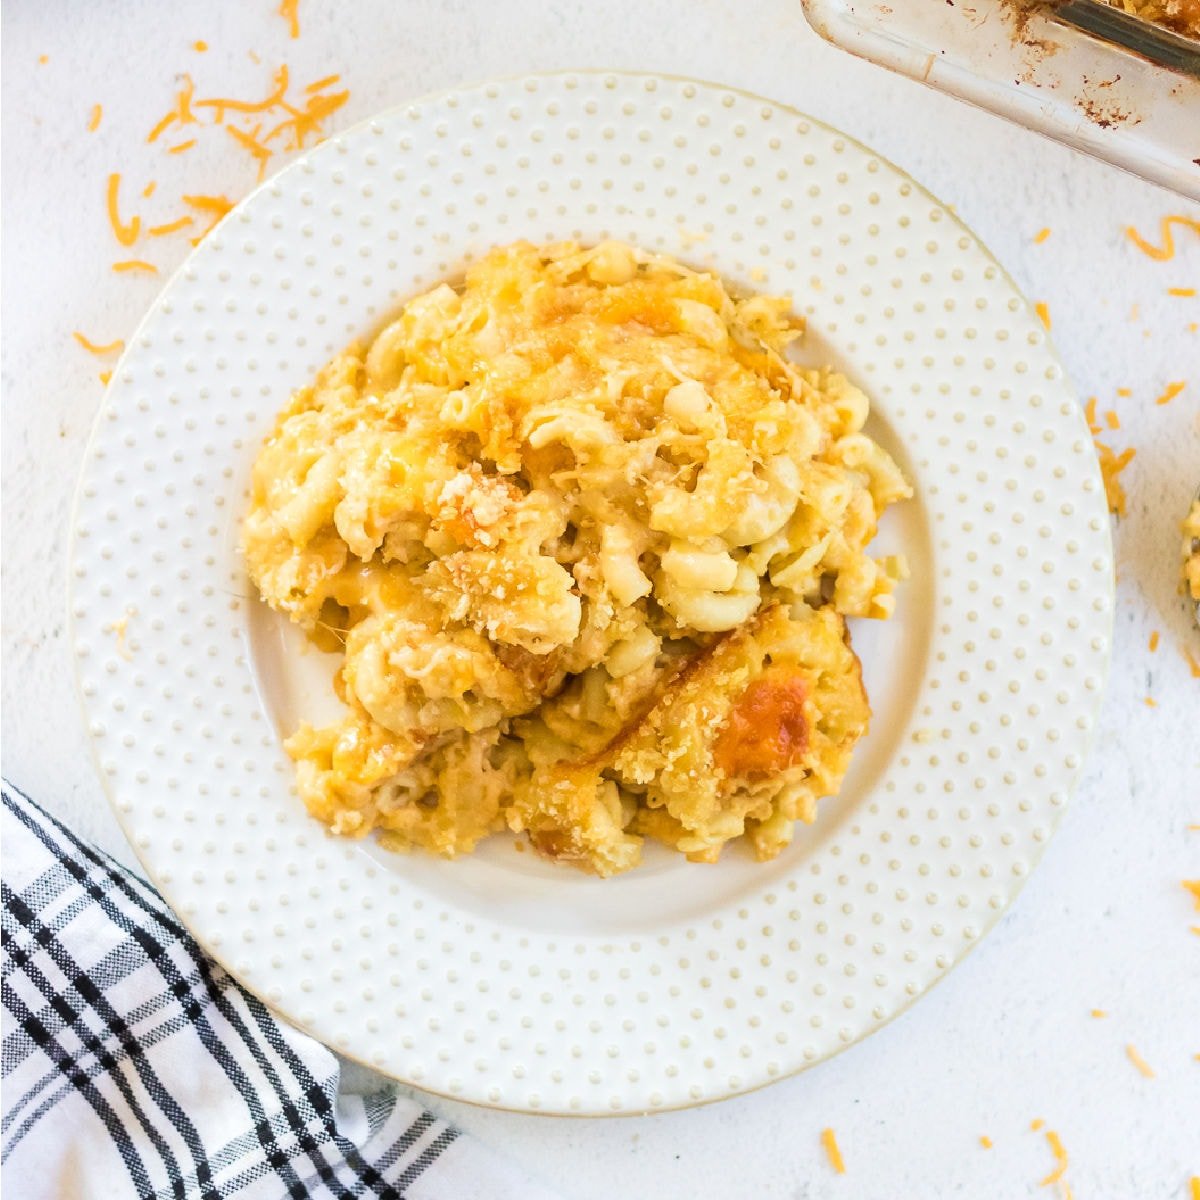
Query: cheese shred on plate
829,1141
1172,390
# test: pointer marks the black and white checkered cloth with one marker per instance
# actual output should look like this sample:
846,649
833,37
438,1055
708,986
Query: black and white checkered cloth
134,1066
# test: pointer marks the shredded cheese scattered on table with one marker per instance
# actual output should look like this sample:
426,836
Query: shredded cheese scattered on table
1043,311
1167,250
1041,236
829,1141
135,264
985,1141
1099,1013
1060,1158
1150,702
215,206
94,348
169,227
1181,291
1194,667
180,147
200,46
1111,463
94,120
126,233
1193,886
1036,1124
105,376
250,141
289,10
1153,641
321,84
1173,390
1138,1061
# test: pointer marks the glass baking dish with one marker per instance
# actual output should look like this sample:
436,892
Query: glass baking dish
1089,75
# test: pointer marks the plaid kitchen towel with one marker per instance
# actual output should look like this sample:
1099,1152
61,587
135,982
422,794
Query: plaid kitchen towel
134,1066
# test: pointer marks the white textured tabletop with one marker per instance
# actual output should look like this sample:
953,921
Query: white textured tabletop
1104,924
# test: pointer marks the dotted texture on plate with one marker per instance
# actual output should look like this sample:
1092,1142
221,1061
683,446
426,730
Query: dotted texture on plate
621,1005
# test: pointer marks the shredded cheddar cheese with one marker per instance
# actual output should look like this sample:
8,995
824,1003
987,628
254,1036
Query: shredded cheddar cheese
221,104
1153,641
1166,251
1181,291
985,1141
94,120
169,227
1150,702
200,46
321,84
1138,1061
126,233
1111,463
1112,420
1194,667
1099,1013
92,348
1041,236
1043,311
121,628
135,264
1173,390
180,147
308,121
1060,1158
250,141
215,206
1193,886
829,1141
105,376
148,190
289,10
154,133
1194,1185
1036,1124
1124,391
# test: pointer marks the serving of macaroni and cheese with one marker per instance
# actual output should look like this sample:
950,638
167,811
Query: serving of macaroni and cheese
585,538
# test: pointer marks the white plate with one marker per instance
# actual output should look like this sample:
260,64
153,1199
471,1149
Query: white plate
501,979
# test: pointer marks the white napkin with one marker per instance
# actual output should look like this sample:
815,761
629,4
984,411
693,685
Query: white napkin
134,1066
